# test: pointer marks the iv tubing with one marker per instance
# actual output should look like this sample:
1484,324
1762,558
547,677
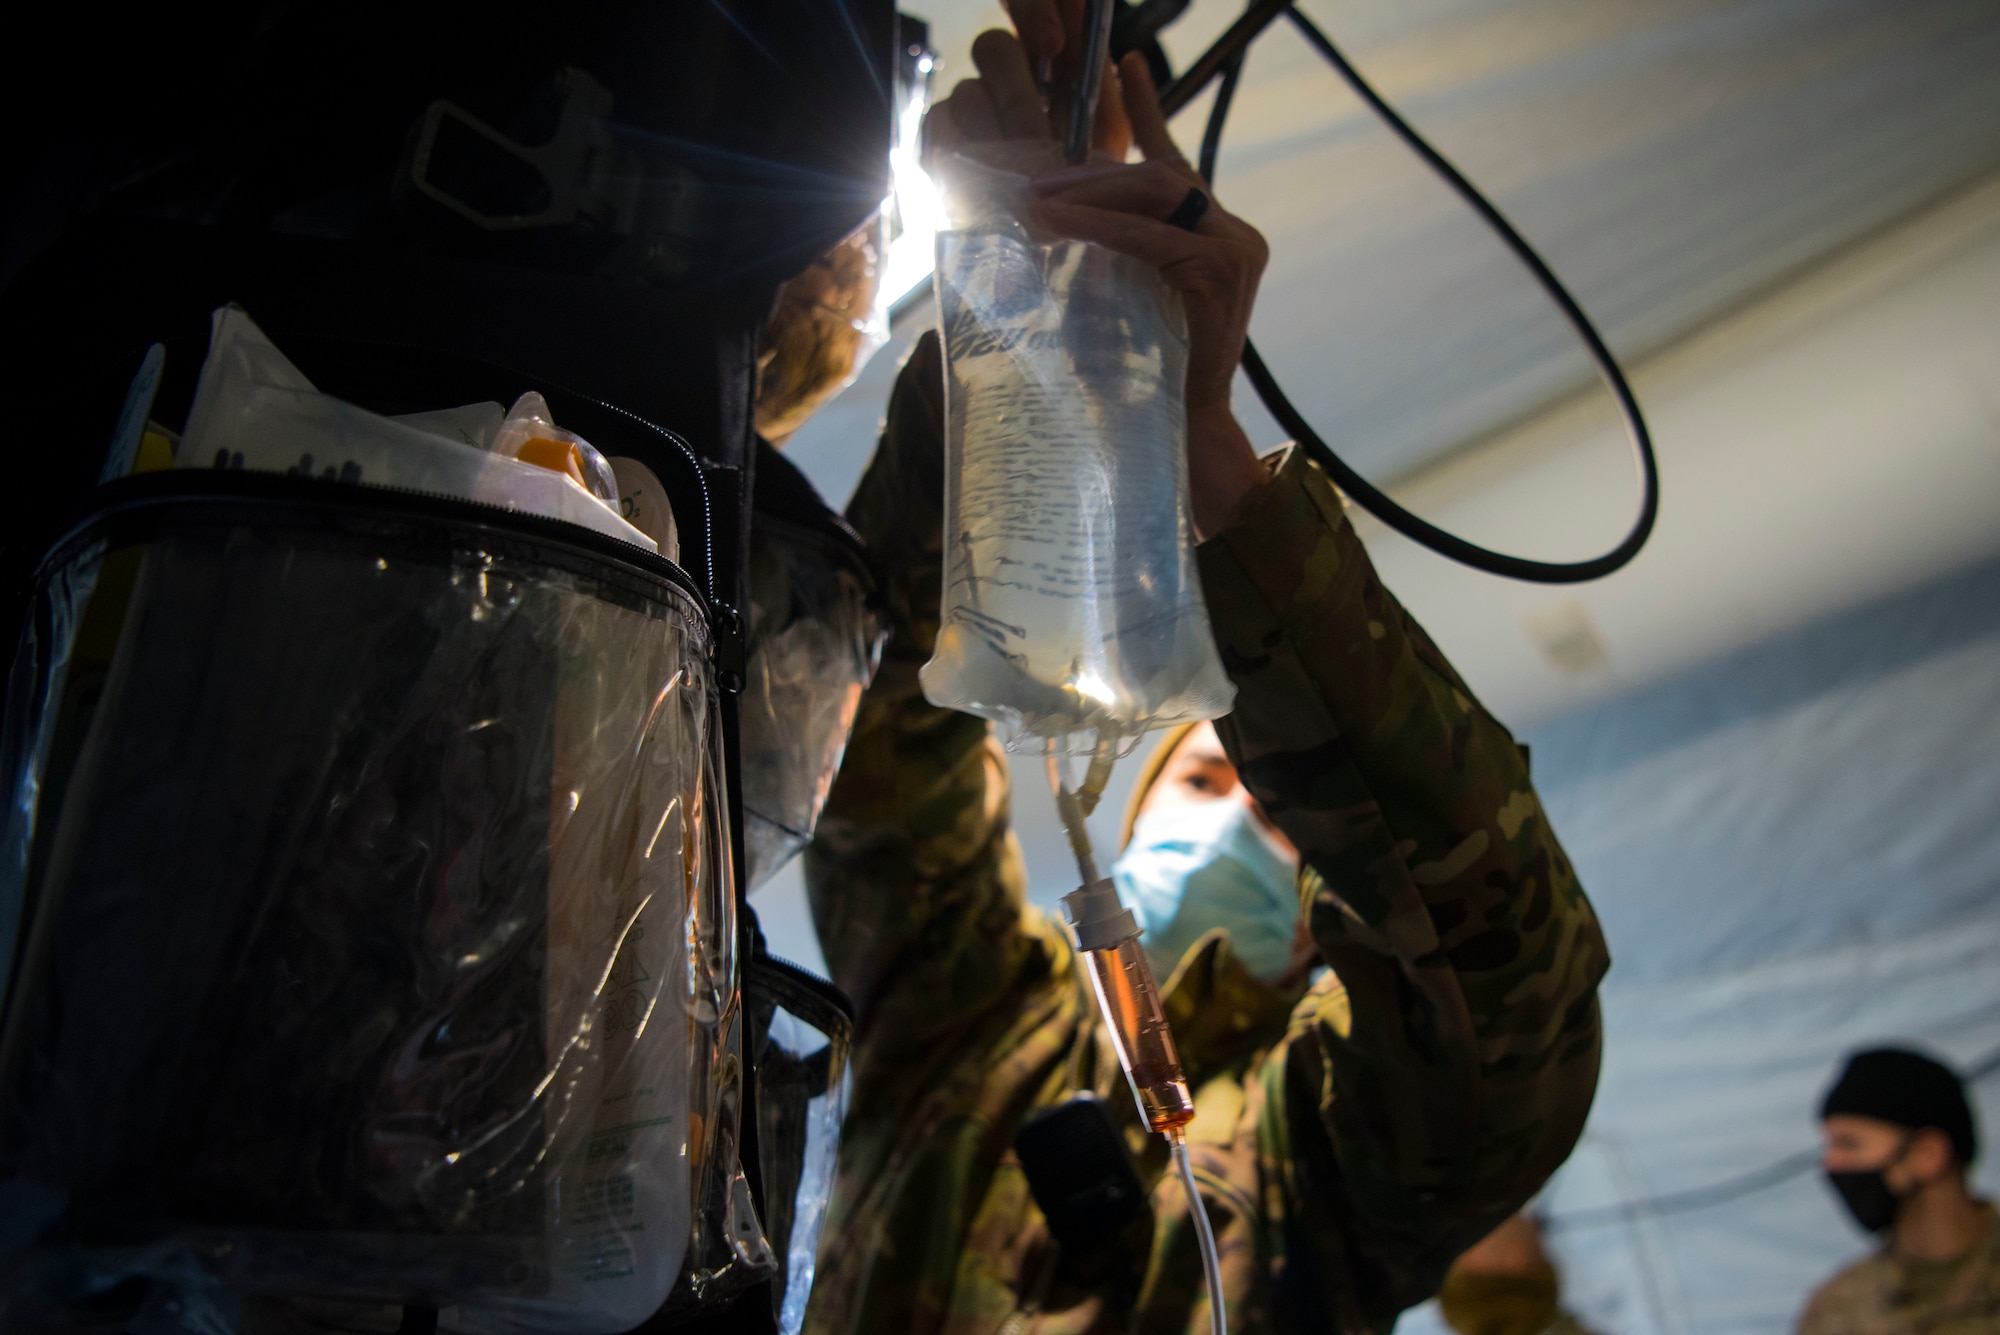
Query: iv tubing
1073,807
1211,1264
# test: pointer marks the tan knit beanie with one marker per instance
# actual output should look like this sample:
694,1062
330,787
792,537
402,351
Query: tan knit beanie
1149,774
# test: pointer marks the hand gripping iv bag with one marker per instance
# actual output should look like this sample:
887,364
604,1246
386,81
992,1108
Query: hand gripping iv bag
1072,610
366,926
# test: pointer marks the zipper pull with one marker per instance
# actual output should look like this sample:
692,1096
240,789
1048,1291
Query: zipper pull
728,652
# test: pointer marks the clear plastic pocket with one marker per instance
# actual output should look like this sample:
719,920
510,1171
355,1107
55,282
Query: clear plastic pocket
801,1037
815,641
365,911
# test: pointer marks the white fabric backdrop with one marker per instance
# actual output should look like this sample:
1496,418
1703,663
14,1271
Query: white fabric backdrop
1796,852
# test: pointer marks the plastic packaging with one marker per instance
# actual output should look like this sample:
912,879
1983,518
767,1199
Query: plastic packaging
643,503
253,409
365,881
829,320
800,1043
1072,608
531,435
130,433
474,424
815,641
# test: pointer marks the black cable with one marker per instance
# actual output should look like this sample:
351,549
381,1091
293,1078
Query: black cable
1257,16
1227,64
1727,1190
1211,135
1696,1198
1364,492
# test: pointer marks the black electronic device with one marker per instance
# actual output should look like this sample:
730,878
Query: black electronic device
1080,1171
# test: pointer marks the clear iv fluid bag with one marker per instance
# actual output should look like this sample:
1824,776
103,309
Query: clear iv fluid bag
1072,607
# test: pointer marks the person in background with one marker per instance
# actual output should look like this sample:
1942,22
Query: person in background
1505,1284
1200,855
1899,1141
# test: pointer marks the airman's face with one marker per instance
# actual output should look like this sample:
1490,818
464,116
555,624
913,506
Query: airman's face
1199,771
1851,1144
815,336
1908,1160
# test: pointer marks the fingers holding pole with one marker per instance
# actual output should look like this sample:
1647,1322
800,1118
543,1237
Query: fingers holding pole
1002,61
1142,109
1041,26
1092,60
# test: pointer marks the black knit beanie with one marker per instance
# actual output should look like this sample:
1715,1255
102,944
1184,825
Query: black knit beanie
1908,1089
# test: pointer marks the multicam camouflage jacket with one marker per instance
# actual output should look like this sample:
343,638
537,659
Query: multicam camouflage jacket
1517,1302
1350,1140
1881,1295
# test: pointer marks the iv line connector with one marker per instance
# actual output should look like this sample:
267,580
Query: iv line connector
1097,918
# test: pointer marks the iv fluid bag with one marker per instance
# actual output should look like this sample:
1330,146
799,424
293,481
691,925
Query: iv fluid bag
1072,607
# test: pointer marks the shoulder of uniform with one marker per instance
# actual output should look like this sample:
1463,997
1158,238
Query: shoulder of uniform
1864,1281
1223,1015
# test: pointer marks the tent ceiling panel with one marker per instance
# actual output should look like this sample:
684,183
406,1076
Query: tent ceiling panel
1672,159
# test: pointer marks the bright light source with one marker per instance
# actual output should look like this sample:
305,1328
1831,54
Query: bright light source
915,205
1091,685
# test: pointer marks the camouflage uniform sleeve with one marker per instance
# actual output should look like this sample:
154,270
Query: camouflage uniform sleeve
915,881
1818,1316
1435,1087
1856,1301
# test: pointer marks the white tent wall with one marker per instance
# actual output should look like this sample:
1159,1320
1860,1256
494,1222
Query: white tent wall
1829,443
1794,845
1795,853
1671,158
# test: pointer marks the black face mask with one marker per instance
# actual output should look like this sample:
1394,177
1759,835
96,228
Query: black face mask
1866,1192
1867,1197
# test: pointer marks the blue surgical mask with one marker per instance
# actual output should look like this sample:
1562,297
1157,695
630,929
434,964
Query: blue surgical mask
1192,868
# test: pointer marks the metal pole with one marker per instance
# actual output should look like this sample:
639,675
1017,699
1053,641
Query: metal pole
1241,33
1089,78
